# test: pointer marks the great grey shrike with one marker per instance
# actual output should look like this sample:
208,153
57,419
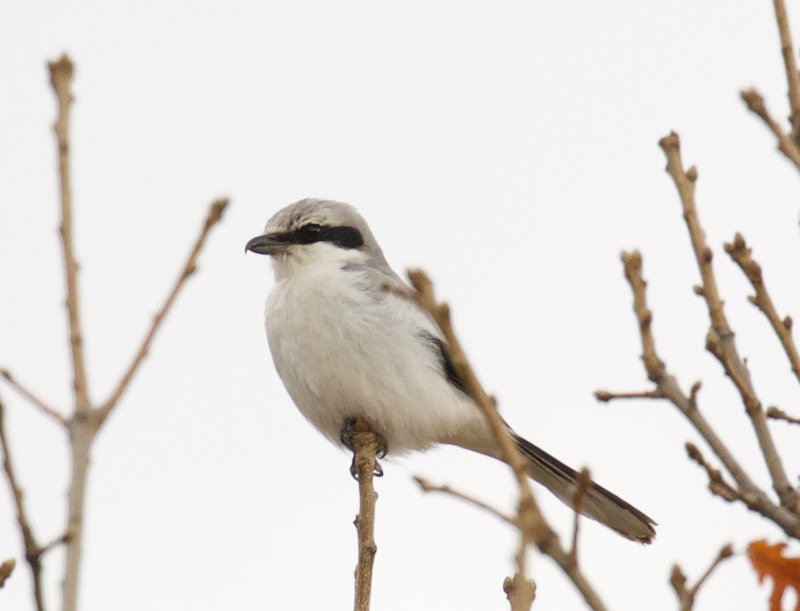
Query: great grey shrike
348,340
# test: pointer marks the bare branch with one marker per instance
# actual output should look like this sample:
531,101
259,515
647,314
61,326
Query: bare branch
441,314
668,387
720,339
606,395
742,255
724,553
582,483
43,407
786,145
427,486
61,73
214,216
777,414
686,595
792,76
366,444
6,569
520,592
33,551
716,483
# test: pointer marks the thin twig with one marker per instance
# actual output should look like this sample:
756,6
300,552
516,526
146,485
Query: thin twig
533,527
520,592
37,402
716,483
33,551
80,424
365,449
427,486
61,73
687,595
790,64
582,482
778,414
441,314
606,395
742,255
786,144
190,266
720,339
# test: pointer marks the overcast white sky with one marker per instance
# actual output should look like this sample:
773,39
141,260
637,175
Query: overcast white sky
509,148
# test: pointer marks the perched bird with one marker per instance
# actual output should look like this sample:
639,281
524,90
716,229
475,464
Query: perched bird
348,340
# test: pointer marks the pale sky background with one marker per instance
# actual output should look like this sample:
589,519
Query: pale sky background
510,149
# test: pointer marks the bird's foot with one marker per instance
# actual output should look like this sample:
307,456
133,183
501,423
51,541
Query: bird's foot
352,426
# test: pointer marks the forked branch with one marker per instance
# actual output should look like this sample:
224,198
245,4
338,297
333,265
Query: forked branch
720,342
86,418
33,551
786,144
687,594
742,255
720,339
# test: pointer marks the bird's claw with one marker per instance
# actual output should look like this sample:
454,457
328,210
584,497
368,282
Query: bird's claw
346,433
346,437
377,470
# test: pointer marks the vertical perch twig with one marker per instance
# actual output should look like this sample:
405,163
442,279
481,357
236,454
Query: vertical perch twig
366,444
61,73
81,429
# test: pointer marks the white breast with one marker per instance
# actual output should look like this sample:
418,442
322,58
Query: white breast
343,349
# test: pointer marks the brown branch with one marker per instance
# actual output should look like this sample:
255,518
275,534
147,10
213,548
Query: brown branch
43,407
520,592
81,424
792,76
720,339
6,569
742,255
786,145
366,444
427,486
716,483
214,216
582,482
533,527
668,387
777,414
441,314
686,595
61,73
33,551
606,395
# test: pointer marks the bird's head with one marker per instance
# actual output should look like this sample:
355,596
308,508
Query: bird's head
317,232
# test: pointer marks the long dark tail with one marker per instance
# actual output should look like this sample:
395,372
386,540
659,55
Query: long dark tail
598,503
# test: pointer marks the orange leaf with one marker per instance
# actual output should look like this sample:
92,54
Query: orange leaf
769,561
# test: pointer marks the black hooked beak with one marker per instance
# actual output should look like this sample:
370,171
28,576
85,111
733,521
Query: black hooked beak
267,244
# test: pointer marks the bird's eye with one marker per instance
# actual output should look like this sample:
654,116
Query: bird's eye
310,233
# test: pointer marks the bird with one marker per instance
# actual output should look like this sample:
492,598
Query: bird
348,340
